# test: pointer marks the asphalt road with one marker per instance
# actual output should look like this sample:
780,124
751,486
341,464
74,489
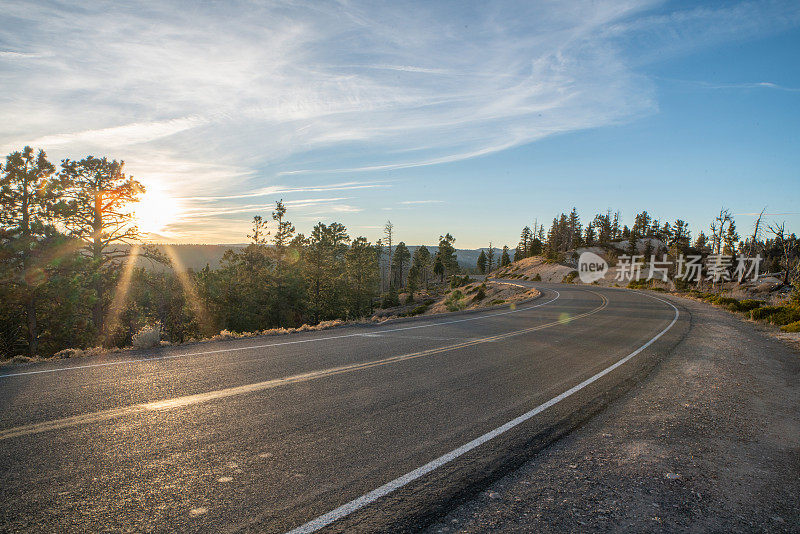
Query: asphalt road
363,428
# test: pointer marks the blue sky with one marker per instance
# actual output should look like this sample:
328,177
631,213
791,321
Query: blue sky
469,118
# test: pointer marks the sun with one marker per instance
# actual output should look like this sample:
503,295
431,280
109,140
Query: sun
155,210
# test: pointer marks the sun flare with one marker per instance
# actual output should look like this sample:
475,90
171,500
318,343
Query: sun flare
155,210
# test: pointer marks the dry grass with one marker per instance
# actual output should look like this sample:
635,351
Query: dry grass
147,338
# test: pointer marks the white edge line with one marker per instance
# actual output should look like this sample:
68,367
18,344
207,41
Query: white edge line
253,347
346,509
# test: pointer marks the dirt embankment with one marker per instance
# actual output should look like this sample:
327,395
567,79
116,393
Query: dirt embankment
469,296
535,268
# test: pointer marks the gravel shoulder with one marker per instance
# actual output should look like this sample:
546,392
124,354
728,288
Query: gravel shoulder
709,441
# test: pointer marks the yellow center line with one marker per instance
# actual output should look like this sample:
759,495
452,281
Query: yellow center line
188,400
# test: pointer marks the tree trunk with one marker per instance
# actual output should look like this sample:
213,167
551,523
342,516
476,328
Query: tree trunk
97,253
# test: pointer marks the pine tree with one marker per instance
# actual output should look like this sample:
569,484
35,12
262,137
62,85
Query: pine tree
326,249
288,285
438,267
388,233
490,258
701,243
679,238
553,241
447,255
505,261
399,261
615,231
574,230
730,239
633,240
99,194
482,262
589,237
525,239
260,232
421,262
29,198
285,230
363,276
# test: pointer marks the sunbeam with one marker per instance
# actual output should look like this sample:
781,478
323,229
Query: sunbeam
189,289
121,292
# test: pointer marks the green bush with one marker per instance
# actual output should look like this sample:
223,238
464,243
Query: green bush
419,310
458,281
764,312
537,278
734,304
455,301
779,315
639,284
682,284
791,327
569,277
390,299
480,295
497,301
748,304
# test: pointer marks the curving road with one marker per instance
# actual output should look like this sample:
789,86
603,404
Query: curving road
363,428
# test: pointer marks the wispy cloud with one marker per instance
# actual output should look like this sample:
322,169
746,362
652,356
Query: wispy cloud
226,102
414,202
734,85
128,134
282,189
10,54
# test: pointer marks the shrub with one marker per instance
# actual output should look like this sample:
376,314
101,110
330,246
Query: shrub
67,353
419,310
682,284
390,299
458,281
147,338
480,295
455,302
791,327
569,277
639,284
764,312
537,278
749,304
778,315
496,302
409,298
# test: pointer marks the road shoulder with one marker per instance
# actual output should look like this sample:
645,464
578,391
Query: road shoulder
709,441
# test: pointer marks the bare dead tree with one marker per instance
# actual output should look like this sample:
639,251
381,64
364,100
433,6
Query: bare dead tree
718,229
785,244
756,233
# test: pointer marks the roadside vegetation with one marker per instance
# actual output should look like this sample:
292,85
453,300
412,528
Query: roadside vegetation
552,256
72,279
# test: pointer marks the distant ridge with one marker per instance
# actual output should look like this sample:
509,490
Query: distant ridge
196,257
